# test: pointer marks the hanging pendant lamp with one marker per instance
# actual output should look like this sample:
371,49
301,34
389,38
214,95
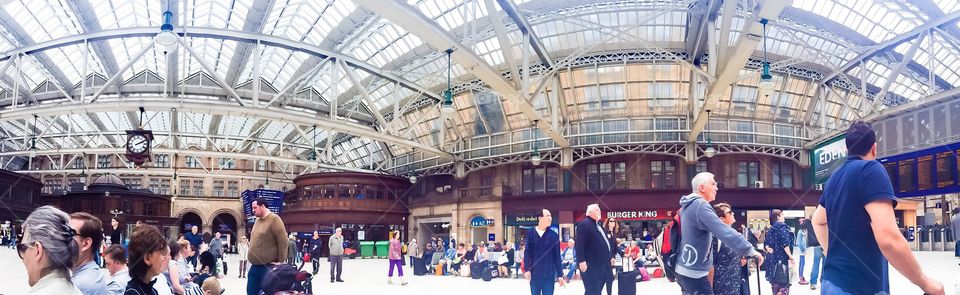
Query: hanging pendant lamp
446,107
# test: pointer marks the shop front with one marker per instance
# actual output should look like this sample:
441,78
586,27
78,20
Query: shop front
516,225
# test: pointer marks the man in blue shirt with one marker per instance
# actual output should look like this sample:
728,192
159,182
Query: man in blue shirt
541,258
856,227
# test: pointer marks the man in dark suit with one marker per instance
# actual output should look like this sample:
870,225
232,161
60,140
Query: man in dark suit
593,250
541,258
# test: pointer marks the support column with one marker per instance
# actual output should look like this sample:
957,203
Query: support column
566,158
691,153
804,159
461,170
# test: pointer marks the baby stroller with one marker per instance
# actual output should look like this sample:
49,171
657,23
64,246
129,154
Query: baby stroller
284,279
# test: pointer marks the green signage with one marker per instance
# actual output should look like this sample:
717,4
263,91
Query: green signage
827,157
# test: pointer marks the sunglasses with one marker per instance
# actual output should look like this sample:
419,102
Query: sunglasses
23,248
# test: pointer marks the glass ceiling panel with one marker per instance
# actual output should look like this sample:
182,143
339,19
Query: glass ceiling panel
160,121
124,50
113,14
878,21
31,71
70,61
215,53
43,20
235,126
218,13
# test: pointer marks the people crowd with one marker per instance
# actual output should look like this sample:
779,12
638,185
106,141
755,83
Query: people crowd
854,222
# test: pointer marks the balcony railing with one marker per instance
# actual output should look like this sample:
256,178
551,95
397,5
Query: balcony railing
347,204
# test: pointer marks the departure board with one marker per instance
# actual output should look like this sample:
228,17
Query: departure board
931,171
925,172
906,176
944,170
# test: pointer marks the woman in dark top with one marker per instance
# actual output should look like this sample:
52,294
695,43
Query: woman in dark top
727,278
612,228
147,257
777,243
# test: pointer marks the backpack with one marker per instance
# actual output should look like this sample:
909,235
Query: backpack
669,250
283,277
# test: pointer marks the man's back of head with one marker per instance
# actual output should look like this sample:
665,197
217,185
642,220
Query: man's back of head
860,139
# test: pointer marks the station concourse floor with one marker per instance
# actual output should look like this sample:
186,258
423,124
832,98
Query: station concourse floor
369,276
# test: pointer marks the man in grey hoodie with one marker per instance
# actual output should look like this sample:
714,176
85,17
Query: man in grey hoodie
698,224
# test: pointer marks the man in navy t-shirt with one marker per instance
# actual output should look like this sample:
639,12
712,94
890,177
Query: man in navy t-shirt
856,227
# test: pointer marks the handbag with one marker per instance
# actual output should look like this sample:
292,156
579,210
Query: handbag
781,274
503,259
306,257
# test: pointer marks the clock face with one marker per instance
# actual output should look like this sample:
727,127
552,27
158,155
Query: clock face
137,144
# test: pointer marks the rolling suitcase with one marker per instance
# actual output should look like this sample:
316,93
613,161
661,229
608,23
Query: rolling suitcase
419,268
627,283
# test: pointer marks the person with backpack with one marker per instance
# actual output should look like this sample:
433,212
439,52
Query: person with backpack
857,228
698,223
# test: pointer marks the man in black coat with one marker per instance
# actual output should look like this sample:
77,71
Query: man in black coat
541,257
593,250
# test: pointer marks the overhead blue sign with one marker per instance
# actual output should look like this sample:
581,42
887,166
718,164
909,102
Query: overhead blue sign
478,221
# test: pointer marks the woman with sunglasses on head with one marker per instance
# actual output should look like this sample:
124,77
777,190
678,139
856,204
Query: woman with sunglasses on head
727,277
48,251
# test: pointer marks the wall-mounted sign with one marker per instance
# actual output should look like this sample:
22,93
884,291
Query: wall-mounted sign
361,235
491,237
827,157
643,215
478,221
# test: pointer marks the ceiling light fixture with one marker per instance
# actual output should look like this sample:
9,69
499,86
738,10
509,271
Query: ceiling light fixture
446,106
766,80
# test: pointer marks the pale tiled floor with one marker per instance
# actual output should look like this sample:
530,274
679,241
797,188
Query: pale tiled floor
369,277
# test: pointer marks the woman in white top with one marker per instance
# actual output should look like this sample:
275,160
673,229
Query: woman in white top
48,251
242,249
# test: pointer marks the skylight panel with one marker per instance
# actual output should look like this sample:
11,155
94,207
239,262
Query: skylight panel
43,20
113,14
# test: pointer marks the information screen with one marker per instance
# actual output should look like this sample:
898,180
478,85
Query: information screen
944,170
827,157
906,176
925,172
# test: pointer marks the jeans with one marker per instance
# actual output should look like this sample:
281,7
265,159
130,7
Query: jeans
956,249
398,264
255,278
691,286
815,273
411,261
243,268
571,270
803,252
541,286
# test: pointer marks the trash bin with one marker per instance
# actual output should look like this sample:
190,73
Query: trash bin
366,249
383,248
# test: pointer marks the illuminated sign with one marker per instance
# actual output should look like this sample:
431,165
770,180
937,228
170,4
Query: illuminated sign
827,157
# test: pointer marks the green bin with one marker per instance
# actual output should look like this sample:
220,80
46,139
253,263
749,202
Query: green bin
366,249
383,248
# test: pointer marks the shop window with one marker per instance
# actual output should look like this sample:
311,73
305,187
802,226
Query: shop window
663,174
163,161
192,162
233,188
702,167
103,161
184,187
748,172
218,188
149,209
540,179
198,188
226,163
782,174
261,165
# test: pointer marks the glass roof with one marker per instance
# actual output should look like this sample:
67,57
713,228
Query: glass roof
616,60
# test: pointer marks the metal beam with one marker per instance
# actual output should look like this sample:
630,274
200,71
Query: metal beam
224,34
253,23
20,36
415,22
942,22
222,108
744,48
895,72
510,8
698,19
365,95
89,22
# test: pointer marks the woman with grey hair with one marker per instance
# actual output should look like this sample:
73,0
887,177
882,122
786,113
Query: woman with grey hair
48,251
